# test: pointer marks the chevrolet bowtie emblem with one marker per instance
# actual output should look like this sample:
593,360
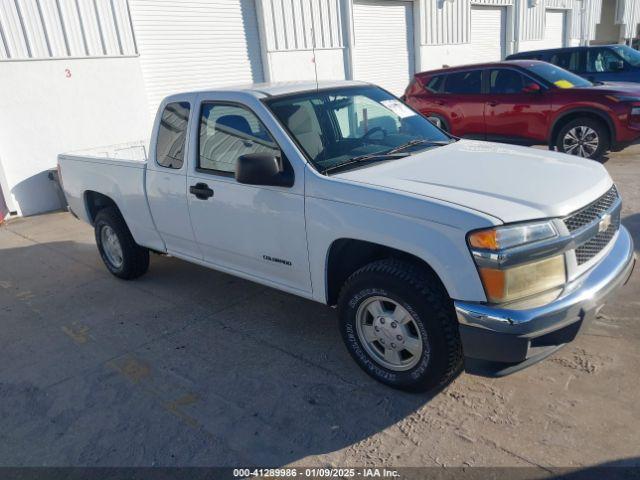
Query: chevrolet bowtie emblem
605,223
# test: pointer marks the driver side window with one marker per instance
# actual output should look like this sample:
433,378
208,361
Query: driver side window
226,133
506,81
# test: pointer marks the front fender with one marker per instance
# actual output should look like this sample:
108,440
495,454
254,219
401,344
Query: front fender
443,247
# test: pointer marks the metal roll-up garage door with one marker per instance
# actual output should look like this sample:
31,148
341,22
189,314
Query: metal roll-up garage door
554,29
190,45
488,33
383,43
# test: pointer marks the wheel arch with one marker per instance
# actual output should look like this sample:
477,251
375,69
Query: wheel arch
347,255
589,112
96,201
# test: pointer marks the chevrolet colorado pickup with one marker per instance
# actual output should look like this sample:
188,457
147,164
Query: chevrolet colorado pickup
440,254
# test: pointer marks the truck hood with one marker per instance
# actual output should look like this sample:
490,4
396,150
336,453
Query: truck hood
507,182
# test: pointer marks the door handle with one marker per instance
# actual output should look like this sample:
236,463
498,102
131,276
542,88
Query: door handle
201,191
492,104
438,102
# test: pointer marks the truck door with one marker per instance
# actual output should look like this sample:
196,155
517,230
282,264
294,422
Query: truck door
166,180
255,230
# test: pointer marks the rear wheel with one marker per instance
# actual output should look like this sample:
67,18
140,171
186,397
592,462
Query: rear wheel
399,325
584,137
120,253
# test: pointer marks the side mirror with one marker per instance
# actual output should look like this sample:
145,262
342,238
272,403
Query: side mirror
263,169
532,88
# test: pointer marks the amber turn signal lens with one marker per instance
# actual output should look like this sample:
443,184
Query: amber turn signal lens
494,282
485,239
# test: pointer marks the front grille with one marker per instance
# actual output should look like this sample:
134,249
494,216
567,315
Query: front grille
595,244
592,212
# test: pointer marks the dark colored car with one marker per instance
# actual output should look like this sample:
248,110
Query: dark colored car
603,63
529,102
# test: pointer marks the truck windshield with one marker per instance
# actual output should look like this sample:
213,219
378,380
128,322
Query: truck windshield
628,54
337,126
559,77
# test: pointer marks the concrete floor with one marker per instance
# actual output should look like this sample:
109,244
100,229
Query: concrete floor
190,367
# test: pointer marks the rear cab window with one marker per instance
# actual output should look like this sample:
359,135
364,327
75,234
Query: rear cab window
172,134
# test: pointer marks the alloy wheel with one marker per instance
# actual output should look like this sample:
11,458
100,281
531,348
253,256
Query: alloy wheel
111,246
389,333
581,141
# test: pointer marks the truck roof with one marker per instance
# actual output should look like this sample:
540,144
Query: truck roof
262,90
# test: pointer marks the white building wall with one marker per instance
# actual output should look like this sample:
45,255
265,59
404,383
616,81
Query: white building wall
196,44
628,16
36,29
69,78
303,39
193,44
52,106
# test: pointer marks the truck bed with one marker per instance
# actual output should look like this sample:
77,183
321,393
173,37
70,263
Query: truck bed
130,152
118,172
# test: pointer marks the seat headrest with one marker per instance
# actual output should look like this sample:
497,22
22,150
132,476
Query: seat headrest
297,118
235,122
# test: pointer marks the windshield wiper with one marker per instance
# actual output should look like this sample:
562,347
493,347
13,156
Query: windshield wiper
369,157
412,143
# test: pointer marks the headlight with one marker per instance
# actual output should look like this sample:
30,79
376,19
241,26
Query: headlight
507,283
503,285
635,111
501,238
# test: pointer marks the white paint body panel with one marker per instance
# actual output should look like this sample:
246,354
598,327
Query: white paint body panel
488,33
424,204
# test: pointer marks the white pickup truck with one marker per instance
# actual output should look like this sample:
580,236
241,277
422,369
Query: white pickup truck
439,253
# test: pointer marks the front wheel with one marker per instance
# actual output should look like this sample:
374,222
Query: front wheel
399,325
583,137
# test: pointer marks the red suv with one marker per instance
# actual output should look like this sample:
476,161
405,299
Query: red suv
529,102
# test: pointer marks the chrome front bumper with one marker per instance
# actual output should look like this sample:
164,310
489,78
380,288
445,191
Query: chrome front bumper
498,341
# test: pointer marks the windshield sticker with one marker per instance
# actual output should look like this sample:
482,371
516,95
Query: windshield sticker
563,84
399,108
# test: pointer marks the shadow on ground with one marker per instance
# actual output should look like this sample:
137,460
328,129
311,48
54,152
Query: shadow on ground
632,222
185,366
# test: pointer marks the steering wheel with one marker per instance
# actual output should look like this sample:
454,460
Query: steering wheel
366,136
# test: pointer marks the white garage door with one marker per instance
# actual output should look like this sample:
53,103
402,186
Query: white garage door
186,45
554,29
488,27
383,43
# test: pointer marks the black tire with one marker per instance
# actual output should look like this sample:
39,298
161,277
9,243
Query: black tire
135,259
600,129
424,298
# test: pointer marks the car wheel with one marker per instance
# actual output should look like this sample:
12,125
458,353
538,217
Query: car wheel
120,253
583,137
399,325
